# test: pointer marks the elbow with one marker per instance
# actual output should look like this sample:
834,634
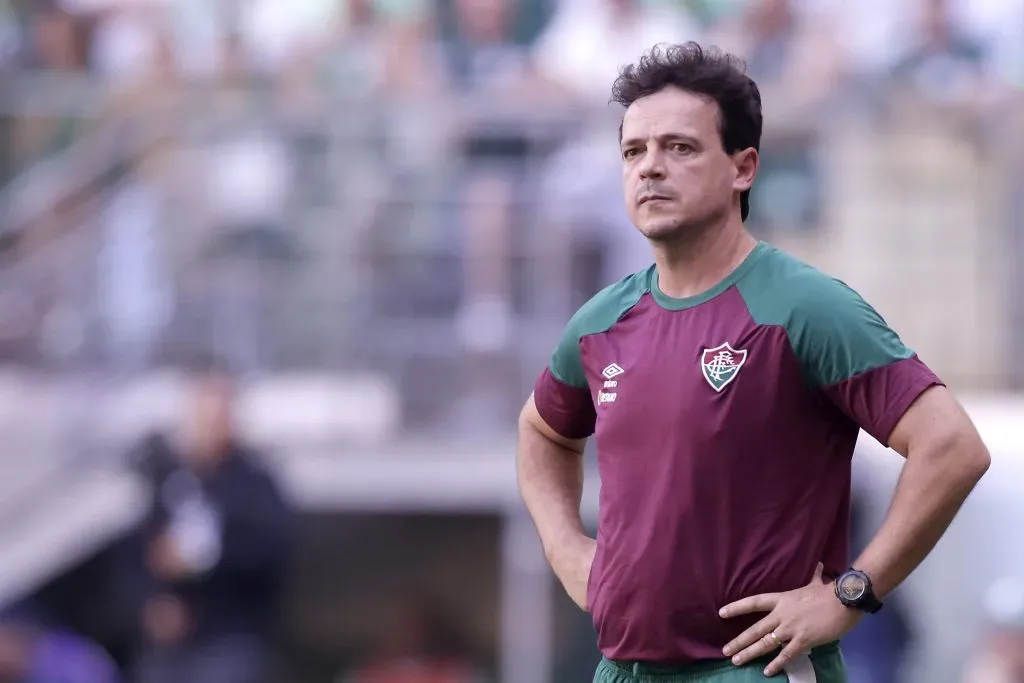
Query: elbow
973,452
526,420
528,432
981,461
964,453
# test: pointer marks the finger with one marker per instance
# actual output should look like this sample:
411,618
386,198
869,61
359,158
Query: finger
755,603
787,655
818,571
762,646
751,635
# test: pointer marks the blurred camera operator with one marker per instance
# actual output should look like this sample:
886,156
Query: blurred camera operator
216,547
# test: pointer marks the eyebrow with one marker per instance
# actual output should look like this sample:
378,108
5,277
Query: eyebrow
666,137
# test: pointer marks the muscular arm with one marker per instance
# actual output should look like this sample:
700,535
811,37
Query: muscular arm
549,468
550,472
945,458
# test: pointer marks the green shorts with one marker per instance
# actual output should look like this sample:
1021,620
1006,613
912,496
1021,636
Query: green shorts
824,665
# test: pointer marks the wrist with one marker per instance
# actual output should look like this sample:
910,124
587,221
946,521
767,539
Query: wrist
566,548
853,588
880,578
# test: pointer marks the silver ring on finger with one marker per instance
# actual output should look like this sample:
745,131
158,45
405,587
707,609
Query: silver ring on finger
775,639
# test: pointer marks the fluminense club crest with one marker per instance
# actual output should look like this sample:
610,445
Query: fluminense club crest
721,364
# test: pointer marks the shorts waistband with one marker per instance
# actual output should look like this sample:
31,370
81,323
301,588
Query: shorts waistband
697,671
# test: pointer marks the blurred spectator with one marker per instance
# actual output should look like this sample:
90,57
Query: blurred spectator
791,52
1000,658
136,296
31,652
352,59
492,77
484,59
126,41
422,647
587,41
407,31
197,30
275,32
218,540
582,49
248,172
55,38
944,63
54,43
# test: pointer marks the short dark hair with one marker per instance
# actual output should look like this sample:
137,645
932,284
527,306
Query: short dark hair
709,72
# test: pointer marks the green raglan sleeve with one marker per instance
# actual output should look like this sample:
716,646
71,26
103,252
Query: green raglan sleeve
562,393
849,352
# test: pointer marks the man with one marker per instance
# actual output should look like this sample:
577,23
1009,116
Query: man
726,385
217,545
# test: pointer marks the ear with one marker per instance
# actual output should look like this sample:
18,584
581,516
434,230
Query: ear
746,162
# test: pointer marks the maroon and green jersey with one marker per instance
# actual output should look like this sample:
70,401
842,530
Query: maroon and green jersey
725,427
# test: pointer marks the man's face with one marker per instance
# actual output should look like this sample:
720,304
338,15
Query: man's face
676,175
209,420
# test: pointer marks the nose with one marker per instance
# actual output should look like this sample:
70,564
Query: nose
652,165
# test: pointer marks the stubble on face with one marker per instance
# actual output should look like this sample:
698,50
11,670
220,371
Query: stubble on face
676,175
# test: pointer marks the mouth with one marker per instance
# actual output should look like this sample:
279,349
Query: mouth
653,198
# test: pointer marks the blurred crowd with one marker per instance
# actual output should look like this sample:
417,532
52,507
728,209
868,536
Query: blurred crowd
425,190
355,164
952,50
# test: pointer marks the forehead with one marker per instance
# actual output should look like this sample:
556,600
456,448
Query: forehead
671,112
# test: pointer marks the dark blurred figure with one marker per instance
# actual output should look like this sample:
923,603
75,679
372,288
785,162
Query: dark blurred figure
1000,658
422,647
30,652
216,547
876,648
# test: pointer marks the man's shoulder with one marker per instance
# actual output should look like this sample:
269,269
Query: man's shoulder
607,307
830,326
251,461
783,290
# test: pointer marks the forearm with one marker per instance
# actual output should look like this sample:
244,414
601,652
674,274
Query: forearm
551,483
930,492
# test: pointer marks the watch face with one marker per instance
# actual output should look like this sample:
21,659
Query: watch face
852,587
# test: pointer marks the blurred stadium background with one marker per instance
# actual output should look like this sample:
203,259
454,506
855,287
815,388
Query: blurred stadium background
382,212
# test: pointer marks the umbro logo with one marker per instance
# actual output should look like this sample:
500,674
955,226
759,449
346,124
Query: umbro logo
609,373
612,371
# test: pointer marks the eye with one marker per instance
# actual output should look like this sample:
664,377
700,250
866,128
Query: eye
630,153
681,147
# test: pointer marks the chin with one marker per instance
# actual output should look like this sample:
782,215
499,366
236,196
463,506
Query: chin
664,230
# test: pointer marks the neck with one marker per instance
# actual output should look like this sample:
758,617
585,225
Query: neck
690,267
